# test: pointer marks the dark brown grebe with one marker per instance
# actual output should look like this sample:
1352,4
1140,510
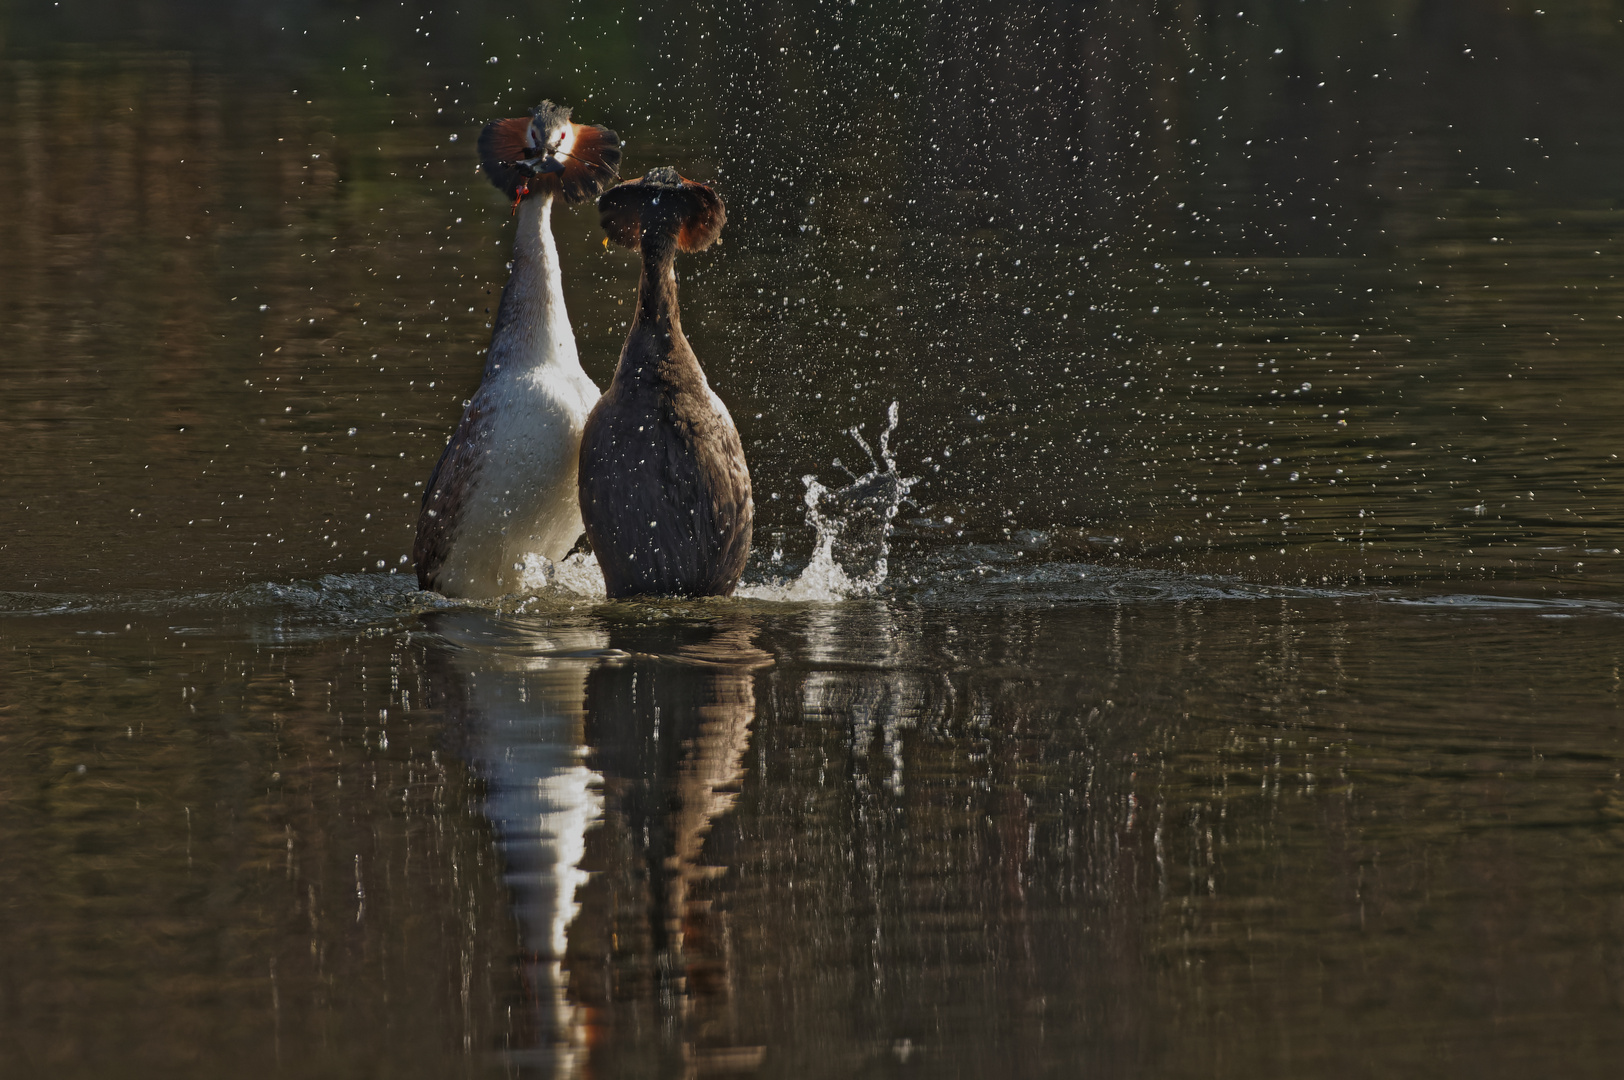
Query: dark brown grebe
665,492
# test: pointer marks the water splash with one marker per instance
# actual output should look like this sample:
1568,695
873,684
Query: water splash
851,556
574,577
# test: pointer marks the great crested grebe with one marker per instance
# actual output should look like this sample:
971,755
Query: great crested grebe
665,492
505,486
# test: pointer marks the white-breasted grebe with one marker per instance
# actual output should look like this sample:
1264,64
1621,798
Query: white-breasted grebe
505,486
665,492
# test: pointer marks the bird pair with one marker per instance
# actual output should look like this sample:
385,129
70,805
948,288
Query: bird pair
653,468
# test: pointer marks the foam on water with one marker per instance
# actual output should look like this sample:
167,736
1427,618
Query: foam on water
1551,605
353,597
577,577
977,577
345,604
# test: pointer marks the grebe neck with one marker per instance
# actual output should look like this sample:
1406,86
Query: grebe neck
657,288
532,329
661,353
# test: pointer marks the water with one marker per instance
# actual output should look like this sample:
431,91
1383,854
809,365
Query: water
1209,666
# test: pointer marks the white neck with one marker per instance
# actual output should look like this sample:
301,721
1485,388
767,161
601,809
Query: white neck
532,327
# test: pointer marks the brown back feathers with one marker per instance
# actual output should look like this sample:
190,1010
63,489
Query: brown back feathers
663,201
526,155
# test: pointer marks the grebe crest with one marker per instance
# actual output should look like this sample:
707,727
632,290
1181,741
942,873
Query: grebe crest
547,153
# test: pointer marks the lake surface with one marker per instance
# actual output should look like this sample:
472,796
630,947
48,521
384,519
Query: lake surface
1240,692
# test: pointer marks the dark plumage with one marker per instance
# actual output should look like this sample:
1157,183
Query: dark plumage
450,486
665,492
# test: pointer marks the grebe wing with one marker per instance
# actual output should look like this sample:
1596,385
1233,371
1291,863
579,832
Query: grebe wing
447,494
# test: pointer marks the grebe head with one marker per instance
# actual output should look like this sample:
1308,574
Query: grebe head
545,153
662,202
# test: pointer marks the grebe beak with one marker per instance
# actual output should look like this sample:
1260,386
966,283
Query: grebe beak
541,166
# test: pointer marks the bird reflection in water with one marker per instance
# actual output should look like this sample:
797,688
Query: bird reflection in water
608,756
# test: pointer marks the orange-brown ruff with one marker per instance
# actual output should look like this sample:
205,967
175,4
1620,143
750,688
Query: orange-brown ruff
665,492
504,489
